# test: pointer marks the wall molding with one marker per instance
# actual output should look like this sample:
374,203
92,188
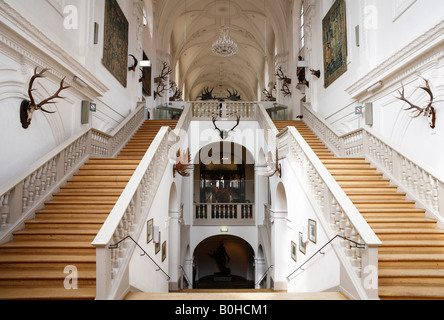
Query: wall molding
24,43
422,50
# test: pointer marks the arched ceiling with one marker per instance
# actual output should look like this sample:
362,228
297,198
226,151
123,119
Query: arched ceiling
187,29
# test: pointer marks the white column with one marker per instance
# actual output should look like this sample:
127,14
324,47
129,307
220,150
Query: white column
260,269
260,192
174,250
279,254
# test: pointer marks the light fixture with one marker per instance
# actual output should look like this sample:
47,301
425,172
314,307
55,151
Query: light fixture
224,46
145,63
80,82
375,87
224,230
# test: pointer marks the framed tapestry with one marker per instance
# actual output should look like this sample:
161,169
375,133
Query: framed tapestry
334,33
115,46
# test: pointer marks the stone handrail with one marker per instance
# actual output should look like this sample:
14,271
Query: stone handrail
23,195
335,210
206,110
417,180
127,216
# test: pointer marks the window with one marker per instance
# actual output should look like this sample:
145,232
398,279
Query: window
302,42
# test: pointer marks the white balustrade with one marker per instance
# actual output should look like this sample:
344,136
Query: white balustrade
22,196
226,214
132,208
206,110
335,208
418,181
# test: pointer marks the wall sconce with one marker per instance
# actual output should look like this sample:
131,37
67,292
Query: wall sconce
375,87
80,82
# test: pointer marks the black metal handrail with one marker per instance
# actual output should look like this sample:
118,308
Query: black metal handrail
265,274
116,245
358,245
186,276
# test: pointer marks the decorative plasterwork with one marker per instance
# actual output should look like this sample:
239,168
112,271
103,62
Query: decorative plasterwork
404,61
25,44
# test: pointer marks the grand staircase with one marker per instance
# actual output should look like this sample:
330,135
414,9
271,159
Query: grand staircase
411,259
32,266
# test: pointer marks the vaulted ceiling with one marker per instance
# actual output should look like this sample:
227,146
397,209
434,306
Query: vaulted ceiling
188,28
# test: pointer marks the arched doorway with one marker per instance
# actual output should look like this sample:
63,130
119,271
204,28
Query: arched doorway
224,262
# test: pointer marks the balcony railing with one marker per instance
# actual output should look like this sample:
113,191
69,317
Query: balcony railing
224,214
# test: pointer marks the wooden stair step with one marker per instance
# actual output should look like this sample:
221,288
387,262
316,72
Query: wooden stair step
31,293
48,247
411,292
44,278
412,246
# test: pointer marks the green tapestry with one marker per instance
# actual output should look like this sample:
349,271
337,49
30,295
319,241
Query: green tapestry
334,30
115,47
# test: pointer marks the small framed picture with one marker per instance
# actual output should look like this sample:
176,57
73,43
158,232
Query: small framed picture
164,251
294,254
312,231
302,244
157,245
149,231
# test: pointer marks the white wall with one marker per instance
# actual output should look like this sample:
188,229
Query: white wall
400,42
36,33
322,273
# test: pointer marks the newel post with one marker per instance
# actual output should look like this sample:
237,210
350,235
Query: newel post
104,272
370,271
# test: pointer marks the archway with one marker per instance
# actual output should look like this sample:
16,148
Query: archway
236,272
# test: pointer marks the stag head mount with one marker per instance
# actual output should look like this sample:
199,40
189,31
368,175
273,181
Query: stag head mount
223,134
134,65
183,164
162,81
285,81
273,166
28,107
428,111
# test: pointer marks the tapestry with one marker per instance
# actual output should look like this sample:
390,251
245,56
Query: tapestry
334,30
115,47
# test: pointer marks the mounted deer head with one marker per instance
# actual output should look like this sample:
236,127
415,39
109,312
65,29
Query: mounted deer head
28,107
428,111
268,95
316,73
233,96
134,65
183,164
273,166
224,133
286,81
162,80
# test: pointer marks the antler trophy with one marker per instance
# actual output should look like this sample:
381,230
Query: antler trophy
28,107
428,111
273,166
224,133
183,164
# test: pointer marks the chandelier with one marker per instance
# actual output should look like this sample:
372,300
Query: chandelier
224,46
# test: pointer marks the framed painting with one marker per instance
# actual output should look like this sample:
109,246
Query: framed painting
312,231
164,251
146,78
149,231
115,46
294,254
334,33
157,245
302,244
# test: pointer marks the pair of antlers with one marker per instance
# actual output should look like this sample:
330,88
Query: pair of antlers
428,111
224,133
56,95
